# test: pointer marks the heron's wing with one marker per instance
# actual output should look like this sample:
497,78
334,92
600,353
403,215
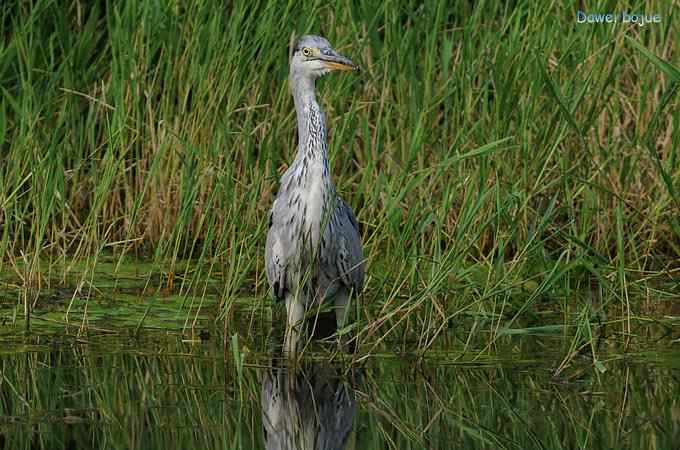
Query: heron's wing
350,255
275,260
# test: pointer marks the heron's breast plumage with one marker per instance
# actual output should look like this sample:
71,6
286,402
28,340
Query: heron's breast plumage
304,204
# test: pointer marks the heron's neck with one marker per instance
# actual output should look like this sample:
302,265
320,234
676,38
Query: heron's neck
310,119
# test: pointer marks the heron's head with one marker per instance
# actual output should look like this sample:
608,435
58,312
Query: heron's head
313,57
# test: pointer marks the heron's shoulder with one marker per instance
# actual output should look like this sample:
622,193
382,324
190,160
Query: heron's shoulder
346,212
285,186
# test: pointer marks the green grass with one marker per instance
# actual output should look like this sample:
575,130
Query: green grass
503,162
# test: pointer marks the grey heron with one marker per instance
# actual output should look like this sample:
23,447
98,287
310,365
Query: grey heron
313,251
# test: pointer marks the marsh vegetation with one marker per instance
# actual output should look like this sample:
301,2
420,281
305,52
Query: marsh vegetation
516,177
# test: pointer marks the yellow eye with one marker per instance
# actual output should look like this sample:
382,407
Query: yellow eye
306,51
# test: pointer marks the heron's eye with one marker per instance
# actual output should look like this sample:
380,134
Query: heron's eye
306,51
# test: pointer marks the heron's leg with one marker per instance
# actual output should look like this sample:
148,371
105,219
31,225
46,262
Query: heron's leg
295,311
341,299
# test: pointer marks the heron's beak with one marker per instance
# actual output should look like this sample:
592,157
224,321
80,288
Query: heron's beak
335,61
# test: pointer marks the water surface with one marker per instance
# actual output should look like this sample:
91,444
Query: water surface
154,389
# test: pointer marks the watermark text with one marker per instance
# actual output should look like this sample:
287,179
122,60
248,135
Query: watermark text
639,19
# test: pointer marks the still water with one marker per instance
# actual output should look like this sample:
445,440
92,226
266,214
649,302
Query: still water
154,389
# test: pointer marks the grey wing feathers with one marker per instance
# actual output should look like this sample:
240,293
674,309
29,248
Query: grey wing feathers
274,260
350,258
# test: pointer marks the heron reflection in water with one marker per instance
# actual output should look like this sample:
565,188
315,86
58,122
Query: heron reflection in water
306,408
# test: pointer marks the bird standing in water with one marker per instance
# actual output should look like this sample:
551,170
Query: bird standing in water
313,252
